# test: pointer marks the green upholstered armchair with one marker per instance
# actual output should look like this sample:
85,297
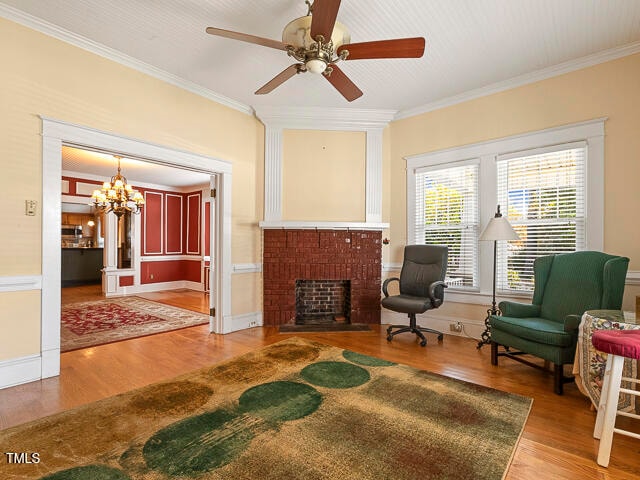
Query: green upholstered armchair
565,286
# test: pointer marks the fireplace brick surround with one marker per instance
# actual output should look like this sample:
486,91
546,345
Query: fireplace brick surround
314,254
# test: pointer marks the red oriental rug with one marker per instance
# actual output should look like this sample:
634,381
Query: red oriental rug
87,324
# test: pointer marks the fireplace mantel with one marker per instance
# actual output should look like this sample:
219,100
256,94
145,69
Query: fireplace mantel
300,225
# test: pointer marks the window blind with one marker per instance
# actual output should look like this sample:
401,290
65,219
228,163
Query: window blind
542,193
447,214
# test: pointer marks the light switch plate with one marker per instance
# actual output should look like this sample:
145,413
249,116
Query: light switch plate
30,207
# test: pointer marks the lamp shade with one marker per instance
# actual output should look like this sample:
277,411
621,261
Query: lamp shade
499,228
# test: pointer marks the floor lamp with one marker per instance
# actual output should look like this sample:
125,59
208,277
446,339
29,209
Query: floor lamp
498,228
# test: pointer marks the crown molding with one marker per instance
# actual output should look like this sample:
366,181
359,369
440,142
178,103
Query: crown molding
319,118
311,225
527,78
79,41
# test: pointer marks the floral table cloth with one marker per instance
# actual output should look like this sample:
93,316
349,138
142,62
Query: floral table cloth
589,364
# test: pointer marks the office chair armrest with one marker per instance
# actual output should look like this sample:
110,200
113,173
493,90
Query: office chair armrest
386,283
519,310
571,323
435,301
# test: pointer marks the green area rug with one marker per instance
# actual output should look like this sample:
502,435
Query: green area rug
294,410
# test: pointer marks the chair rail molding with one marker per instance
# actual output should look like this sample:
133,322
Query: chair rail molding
22,282
275,119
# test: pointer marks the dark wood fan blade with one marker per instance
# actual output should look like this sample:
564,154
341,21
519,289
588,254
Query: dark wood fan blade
265,42
278,80
342,83
323,18
398,48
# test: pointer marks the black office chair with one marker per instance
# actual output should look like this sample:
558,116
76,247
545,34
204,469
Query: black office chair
421,287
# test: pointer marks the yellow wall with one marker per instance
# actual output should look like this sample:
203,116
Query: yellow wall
19,324
607,90
323,175
44,76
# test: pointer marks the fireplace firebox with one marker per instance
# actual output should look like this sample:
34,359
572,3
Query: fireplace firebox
323,301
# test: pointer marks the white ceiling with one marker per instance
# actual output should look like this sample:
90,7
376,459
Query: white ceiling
102,166
471,45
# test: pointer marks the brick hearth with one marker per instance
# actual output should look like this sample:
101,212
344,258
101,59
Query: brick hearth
293,254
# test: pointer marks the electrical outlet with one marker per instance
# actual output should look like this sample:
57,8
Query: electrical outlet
455,327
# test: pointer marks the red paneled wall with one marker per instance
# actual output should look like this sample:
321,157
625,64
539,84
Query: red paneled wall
291,255
170,271
207,228
193,223
72,186
152,220
173,224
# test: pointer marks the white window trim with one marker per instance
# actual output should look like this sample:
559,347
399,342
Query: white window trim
591,131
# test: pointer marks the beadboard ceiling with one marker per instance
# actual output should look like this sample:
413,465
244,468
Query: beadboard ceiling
472,46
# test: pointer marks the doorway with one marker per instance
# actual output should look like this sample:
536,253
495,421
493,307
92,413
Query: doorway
55,135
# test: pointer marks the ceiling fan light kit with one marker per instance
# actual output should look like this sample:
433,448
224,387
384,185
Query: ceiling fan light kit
305,40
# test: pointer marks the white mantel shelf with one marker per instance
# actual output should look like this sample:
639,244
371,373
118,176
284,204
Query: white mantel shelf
323,225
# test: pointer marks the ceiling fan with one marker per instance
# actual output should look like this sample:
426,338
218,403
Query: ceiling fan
317,41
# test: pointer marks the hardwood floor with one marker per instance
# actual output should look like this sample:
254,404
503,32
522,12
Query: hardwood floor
557,441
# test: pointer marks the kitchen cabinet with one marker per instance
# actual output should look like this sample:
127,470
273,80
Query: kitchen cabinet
81,266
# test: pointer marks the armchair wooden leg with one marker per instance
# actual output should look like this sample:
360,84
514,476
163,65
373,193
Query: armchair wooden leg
494,353
558,378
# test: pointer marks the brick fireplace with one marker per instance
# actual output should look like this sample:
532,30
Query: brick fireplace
345,257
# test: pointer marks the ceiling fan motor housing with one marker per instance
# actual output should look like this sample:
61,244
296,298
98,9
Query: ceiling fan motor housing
298,34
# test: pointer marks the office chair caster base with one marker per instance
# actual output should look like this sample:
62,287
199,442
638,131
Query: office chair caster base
440,337
423,343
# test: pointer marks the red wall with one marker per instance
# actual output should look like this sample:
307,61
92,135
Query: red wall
171,225
193,223
207,229
170,271
72,185
152,222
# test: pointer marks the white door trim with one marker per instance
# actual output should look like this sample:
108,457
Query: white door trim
55,133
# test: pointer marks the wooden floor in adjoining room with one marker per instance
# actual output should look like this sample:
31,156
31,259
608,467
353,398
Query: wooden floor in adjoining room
557,442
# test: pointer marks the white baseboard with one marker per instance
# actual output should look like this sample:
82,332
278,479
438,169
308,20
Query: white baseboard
156,287
20,370
245,320
471,327
50,363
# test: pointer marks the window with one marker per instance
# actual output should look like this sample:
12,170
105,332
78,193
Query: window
548,183
542,193
447,214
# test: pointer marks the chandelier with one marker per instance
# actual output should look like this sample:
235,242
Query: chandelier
117,196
